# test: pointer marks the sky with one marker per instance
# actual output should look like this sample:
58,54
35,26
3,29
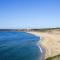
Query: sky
16,14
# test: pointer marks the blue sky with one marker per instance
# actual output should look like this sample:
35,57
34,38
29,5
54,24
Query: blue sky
29,13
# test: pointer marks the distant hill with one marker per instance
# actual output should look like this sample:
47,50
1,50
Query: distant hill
39,29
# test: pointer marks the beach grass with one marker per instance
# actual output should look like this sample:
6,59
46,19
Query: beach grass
57,57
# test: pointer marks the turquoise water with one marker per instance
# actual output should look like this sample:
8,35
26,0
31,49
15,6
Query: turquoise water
19,46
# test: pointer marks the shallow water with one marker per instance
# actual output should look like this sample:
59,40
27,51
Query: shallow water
19,46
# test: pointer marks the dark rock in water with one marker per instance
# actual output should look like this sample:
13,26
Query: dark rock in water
19,46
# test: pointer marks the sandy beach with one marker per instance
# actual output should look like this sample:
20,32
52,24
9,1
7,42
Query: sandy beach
50,41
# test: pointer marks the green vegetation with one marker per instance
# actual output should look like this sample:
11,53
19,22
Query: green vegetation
45,29
57,57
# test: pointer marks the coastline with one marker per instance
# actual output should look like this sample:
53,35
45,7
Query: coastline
50,41
42,49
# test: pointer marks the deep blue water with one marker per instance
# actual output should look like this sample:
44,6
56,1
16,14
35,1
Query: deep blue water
19,46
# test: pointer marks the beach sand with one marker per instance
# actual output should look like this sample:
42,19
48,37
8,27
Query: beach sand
50,41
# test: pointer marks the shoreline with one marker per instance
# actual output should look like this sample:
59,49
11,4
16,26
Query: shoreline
42,49
50,41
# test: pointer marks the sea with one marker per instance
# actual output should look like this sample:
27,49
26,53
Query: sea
19,46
